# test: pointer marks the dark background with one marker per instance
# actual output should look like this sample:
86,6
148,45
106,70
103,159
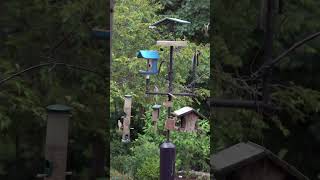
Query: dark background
238,51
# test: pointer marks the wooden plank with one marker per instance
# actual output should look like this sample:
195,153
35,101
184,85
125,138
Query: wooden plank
172,43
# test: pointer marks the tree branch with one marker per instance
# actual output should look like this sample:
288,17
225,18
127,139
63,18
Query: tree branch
265,66
49,64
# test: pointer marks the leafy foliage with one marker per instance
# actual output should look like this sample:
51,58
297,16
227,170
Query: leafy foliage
30,31
237,53
140,159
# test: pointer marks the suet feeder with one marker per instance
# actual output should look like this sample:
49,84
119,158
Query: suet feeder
188,118
126,119
152,58
248,160
170,124
56,141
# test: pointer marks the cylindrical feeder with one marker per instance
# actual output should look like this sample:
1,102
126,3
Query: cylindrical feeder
127,104
126,119
167,161
155,113
57,140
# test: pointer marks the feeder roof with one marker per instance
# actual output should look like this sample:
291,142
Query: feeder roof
128,96
242,154
186,110
167,21
156,106
59,108
148,54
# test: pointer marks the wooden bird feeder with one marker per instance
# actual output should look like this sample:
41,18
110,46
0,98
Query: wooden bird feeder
170,124
188,118
249,161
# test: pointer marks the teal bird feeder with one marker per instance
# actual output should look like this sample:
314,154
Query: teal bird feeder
152,58
101,34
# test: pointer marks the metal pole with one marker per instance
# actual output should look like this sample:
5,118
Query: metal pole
173,94
170,88
168,149
194,61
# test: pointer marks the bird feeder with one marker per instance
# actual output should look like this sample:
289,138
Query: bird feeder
56,142
126,119
170,123
101,33
188,118
169,23
152,58
155,114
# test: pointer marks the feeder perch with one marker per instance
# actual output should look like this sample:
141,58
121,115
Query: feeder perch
188,118
152,58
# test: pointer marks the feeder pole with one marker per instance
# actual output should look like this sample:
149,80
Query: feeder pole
170,88
168,149
268,53
194,64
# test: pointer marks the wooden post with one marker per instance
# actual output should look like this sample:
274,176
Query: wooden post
127,118
57,140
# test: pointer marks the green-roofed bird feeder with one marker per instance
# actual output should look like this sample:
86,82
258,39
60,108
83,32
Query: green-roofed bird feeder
56,142
169,24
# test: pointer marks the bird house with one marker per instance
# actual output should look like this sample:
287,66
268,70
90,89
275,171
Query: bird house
187,119
155,113
152,58
249,161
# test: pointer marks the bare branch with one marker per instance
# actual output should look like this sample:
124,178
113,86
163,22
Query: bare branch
49,64
266,66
